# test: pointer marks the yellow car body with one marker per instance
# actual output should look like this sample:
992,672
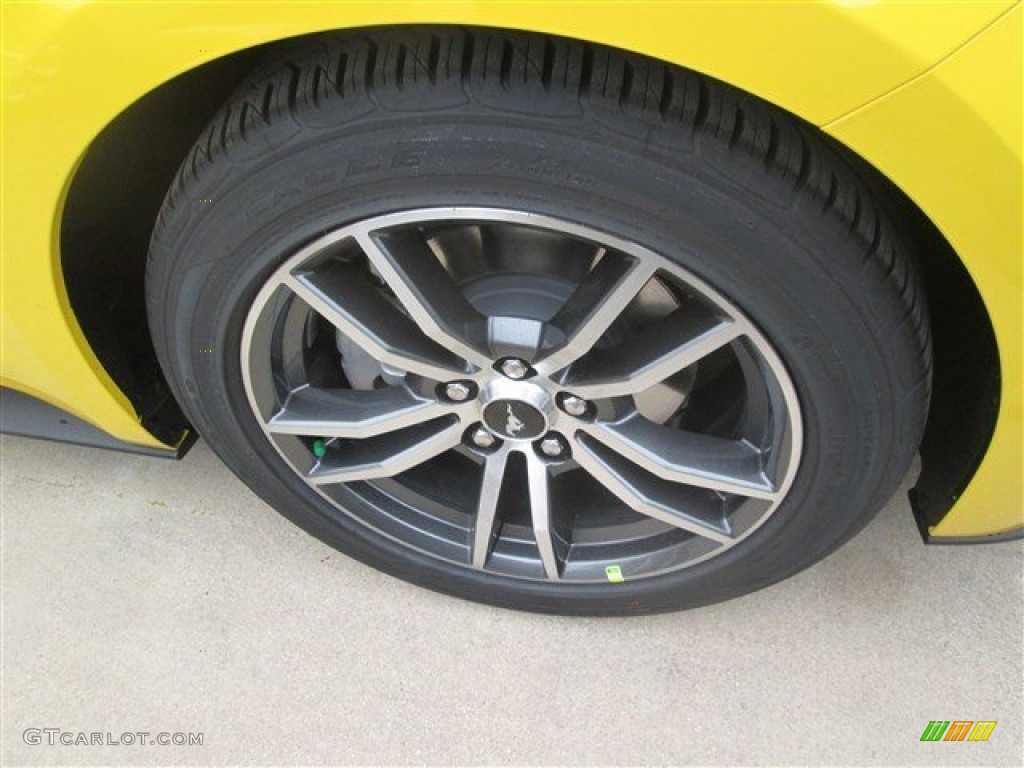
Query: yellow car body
928,93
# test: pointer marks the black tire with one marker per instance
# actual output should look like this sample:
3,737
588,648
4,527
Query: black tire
746,197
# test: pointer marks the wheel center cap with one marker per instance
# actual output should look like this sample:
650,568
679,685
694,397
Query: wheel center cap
514,420
516,410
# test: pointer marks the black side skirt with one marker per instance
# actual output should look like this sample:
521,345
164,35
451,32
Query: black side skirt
23,415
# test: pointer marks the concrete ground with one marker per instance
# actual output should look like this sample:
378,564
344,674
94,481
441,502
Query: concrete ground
143,595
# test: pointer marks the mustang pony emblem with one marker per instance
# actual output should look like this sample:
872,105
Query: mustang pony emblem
513,426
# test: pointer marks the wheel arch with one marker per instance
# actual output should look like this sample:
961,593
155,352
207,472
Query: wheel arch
110,209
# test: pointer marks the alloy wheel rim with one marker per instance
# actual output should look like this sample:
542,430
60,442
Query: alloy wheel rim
390,361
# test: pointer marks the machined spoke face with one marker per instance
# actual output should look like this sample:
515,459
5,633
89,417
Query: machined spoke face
596,304
355,309
655,497
427,291
704,461
387,455
676,342
485,521
541,516
352,413
521,395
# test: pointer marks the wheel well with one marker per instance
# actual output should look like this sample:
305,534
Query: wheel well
109,214
117,191
966,378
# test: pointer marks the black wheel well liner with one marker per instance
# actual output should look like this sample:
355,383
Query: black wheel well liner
117,190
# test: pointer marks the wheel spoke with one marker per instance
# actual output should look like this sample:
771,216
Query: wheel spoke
596,303
539,482
670,345
703,461
485,523
348,413
389,454
342,296
428,292
652,496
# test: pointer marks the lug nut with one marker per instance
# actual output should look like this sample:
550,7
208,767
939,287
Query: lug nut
458,391
574,406
482,438
552,447
515,369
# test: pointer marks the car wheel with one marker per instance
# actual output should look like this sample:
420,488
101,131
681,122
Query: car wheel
539,323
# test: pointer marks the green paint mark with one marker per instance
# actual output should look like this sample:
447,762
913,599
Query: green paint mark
319,448
614,574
